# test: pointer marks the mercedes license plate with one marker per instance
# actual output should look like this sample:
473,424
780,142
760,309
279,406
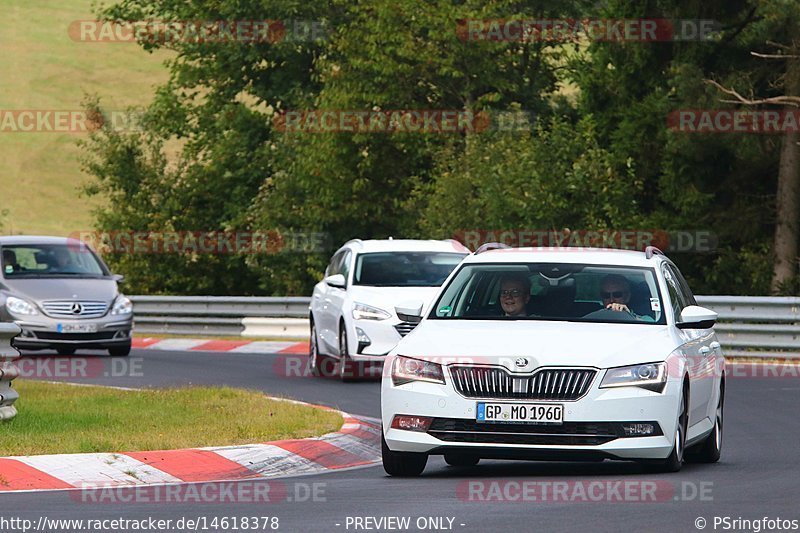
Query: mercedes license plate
77,328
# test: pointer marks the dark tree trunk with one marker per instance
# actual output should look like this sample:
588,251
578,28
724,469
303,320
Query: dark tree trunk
787,227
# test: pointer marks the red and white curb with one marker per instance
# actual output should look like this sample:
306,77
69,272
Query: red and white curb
356,444
213,345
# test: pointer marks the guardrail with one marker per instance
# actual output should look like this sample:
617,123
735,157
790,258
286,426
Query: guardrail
753,326
246,316
757,326
8,370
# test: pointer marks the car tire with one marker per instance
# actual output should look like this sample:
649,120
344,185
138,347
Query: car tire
120,351
460,459
402,464
710,449
65,350
674,462
314,358
346,366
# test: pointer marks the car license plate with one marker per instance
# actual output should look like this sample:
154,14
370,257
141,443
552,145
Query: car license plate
532,413
77,328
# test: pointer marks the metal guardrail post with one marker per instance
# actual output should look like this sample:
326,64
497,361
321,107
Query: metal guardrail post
8,370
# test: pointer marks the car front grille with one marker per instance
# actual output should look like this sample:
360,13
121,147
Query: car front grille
566,434
497,383
404,328
75,309
53,336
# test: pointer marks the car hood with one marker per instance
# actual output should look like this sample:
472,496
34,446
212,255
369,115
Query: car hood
388,297
40,289
543,343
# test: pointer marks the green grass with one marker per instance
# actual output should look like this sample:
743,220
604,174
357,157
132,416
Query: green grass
61,418
43,68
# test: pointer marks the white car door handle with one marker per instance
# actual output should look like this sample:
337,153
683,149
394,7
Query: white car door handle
705,350
715,345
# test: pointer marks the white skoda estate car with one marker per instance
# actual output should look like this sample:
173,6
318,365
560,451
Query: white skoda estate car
543,354
352,313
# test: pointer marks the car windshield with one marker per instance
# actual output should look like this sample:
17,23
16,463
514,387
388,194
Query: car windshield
50,260
404,269
550,291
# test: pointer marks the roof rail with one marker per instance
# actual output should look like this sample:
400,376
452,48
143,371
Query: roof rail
489,246
650,251
458,245
351,241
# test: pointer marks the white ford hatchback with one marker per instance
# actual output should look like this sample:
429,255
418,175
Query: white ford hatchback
352,310
569,354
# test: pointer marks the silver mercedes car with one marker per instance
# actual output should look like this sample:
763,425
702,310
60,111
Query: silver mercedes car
63,297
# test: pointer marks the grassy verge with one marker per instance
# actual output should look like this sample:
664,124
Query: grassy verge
43,68
60,418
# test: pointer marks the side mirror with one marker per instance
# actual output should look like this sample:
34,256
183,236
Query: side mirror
337,280
410,311
696,317
119,278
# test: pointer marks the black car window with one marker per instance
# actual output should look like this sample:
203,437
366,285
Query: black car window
675,296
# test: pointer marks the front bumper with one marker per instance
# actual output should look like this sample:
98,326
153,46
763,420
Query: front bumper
600,410
41,332
372,340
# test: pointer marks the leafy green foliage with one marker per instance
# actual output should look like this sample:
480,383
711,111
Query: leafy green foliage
552,178
600,155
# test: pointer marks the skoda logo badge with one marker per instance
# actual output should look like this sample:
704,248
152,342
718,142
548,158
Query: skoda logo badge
521,362
76,308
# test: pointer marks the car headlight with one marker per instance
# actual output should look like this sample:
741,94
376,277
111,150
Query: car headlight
123,306
652,376
19,306
367,312
406,370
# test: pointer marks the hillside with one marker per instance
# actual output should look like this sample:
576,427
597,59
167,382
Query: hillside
44,69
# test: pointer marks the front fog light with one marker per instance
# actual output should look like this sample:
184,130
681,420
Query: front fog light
638,429
363,339
411,423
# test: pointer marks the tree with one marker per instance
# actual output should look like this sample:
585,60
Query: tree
787,197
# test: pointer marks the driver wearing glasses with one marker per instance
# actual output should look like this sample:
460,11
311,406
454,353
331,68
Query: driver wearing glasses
615,291
515,292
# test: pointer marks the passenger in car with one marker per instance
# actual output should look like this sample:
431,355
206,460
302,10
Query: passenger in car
515,292
10,264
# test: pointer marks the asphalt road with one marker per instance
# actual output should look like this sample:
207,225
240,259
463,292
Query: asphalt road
757,479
